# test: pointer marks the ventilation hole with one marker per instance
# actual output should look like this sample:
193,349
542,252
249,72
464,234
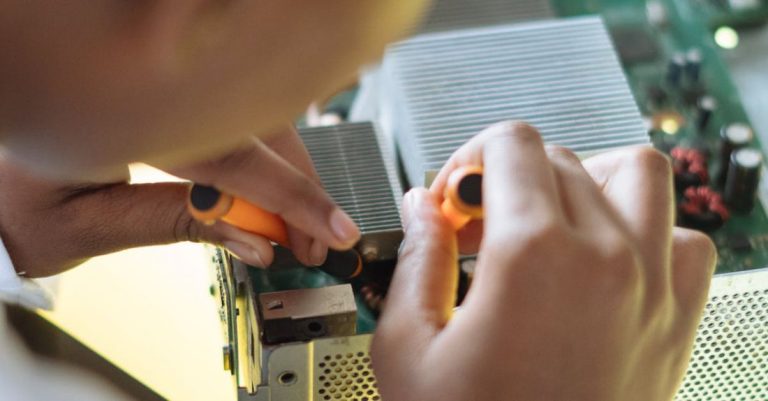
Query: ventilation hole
287,378
347,377
315,327
729,359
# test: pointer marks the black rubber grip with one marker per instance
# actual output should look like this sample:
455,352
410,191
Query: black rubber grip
203,197
470,189
344,265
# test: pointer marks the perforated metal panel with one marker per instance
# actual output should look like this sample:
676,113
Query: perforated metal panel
439,90
456,14
730,359
346,376
729,363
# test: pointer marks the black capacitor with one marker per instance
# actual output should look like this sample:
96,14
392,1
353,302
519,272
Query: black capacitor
706,106
743,179
657,96
675,69
693,60
732,137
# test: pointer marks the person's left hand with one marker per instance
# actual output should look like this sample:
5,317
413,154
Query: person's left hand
49,226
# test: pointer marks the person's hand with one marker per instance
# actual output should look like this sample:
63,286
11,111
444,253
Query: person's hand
583,291
49,226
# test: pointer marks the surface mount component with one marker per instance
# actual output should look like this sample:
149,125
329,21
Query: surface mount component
563,76
457,14
357,170
635,44
301,315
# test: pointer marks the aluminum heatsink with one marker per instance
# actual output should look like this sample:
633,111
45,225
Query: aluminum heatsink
357,169
436,91
456,14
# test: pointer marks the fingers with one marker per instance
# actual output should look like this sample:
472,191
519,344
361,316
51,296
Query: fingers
694,257
520,184
470,237
584,204
97,220
125,216
288,145
259,175
638,183
519,187
423,291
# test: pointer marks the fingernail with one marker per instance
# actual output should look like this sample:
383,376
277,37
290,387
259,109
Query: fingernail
318,252
407,200
344,228
245,253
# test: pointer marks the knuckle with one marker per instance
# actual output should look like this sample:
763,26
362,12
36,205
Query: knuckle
559,152
649,159
185,228
303,194
427,239
520,130
618,268
517,130
704,246
234,161
514,243
696,247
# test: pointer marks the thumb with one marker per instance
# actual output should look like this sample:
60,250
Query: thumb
423,291
154,214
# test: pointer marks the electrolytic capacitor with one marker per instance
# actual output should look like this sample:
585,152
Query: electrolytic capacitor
675,69
705,107
743,179
732,137
657,96
693,60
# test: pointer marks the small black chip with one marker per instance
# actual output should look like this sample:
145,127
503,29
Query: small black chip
635,44
739,243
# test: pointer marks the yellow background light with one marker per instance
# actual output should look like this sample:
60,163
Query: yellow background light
727,37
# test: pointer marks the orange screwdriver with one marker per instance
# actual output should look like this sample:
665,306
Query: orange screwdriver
463,196
208,205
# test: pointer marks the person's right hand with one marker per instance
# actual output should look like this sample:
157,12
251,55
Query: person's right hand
583,291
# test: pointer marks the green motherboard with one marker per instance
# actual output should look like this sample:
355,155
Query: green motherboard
645,49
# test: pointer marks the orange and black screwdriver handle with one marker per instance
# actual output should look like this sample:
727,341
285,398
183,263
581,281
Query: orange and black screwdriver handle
208,205
463,196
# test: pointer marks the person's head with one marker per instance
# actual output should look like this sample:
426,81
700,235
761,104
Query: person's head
171,81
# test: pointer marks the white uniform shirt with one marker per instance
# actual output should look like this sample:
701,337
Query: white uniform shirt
25,377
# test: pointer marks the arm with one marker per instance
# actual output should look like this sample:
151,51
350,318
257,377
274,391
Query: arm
49,226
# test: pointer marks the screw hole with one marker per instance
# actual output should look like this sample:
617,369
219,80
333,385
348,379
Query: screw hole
287,378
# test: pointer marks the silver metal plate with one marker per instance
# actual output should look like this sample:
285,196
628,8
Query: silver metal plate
439,90
448,15
730,358
358,171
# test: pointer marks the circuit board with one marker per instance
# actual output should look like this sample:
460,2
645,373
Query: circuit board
646,51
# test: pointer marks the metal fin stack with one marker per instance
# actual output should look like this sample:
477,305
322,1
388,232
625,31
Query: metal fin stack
448,15
357,169
438,90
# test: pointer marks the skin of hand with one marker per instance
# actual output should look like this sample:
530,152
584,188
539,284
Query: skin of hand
583,290
49,226
87,87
